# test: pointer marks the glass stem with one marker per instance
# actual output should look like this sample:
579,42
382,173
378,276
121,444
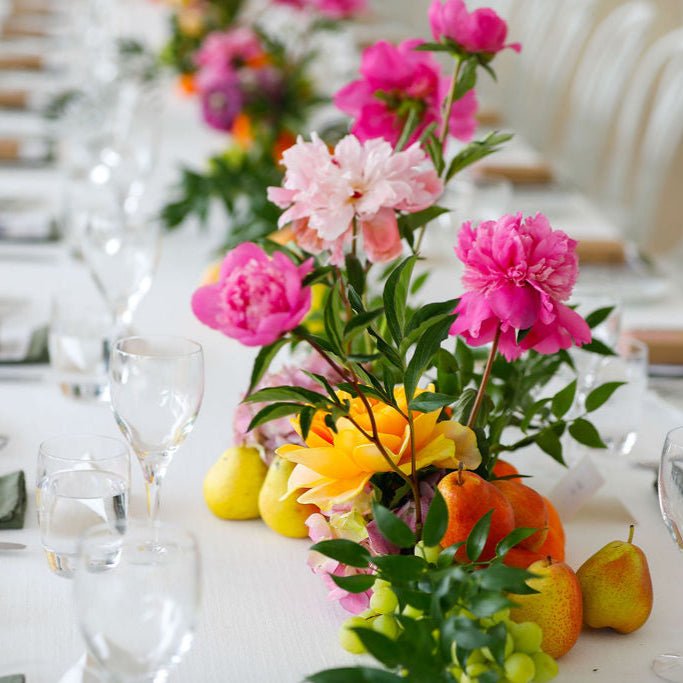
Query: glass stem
154,469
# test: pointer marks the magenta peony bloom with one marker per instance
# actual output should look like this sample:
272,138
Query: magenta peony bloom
221,100
326,193
394,77
224,51
479,31
517,273
257,297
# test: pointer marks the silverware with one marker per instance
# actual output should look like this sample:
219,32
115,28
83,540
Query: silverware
4,545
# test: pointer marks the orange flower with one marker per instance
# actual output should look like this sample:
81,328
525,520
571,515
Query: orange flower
187,84
336,467
283,142
258,61
242,131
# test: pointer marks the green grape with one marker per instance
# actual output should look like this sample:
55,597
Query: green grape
546,667
456,672
520,668
430,553
474,670
527,636
509,649
464,678
384,601
502,615
412,612
386,625
476,657
348,639
379,584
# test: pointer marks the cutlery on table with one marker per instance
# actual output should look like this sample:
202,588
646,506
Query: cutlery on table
5,545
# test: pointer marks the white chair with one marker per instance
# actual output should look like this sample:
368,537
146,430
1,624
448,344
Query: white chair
606,66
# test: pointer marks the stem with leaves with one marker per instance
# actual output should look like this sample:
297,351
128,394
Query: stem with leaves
448,106
484,380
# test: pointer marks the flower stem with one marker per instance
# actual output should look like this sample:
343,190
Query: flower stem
484,379
415,484
448,107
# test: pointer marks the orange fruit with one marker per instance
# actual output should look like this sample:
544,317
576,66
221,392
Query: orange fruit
503,468
521,557
529,508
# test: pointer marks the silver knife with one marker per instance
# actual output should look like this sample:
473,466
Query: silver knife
11,546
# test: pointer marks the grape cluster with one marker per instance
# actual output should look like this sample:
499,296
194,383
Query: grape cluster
525,662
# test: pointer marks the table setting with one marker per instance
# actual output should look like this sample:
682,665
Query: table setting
310,369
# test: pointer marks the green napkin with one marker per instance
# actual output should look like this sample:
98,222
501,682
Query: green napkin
37,352
12,501
14,678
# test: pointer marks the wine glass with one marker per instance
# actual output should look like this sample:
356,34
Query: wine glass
137,597
670,486
121,251
156,386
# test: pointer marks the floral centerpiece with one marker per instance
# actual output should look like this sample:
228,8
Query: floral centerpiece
401,415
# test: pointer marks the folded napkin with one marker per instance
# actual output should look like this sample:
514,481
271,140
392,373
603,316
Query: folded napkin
665,346
518,174
602,252
23,346
12,500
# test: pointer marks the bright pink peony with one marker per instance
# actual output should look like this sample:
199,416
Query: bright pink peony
479,31
223,52
325,193
517,273
257,297
395,78
334,9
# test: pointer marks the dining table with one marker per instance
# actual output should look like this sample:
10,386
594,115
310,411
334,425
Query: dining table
265,616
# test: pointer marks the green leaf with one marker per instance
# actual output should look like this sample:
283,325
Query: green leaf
549,442
305,420
355,273
596,346
598,316
486,604
429,311
344,551
601,394
475,151
358,674
426,347
478,536
286,393
468,78
500,577
332,319
395,530
358,583
273,412
428,401
512,539
362,320
398,568
432,47
465,357
263,361
563,400
413,221
468,634
395,297
436,522
382,648
585,433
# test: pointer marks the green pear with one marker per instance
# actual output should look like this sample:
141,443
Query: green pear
280,512
616,587
233,482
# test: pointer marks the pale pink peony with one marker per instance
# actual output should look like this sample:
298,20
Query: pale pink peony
479,31
257,297
393,78
517,273
326,192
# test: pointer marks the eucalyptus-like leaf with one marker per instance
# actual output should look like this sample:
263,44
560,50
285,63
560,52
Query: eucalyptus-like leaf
428,401
357,583
395,297
344,551
596,346
399,568
563,400
549,442
263,361
394,530
585,433
478,536
436,521
513,538
274,411
598,316
601,395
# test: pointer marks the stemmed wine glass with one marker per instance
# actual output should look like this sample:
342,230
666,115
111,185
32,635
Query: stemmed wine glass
137,597
670,486
156,386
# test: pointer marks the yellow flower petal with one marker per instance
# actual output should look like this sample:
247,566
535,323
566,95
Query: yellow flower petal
466,449
328,462
334,492
369,458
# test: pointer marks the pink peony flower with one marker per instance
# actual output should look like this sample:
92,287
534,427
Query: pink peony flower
325,193
275,433
221,100
224,51
517,273
394,78
334,9
479,31
257,297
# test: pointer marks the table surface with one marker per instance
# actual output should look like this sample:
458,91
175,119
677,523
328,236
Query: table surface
265,617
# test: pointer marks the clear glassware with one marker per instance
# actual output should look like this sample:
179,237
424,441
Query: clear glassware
121,252
669,667
156,387
137,599
81,481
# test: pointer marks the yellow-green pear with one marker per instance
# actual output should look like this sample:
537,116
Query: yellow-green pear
616,587
283,514
233,482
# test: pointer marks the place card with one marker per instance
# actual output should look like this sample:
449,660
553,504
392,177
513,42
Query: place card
579,484
665,346
21,62
518,174
602,252
29,150
14,99
13,29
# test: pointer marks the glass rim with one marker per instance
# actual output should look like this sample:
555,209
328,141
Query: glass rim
672,432
195,347
140,530
43,448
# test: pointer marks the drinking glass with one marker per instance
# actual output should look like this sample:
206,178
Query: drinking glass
81,481
137,597
670,487
121,251
156,386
